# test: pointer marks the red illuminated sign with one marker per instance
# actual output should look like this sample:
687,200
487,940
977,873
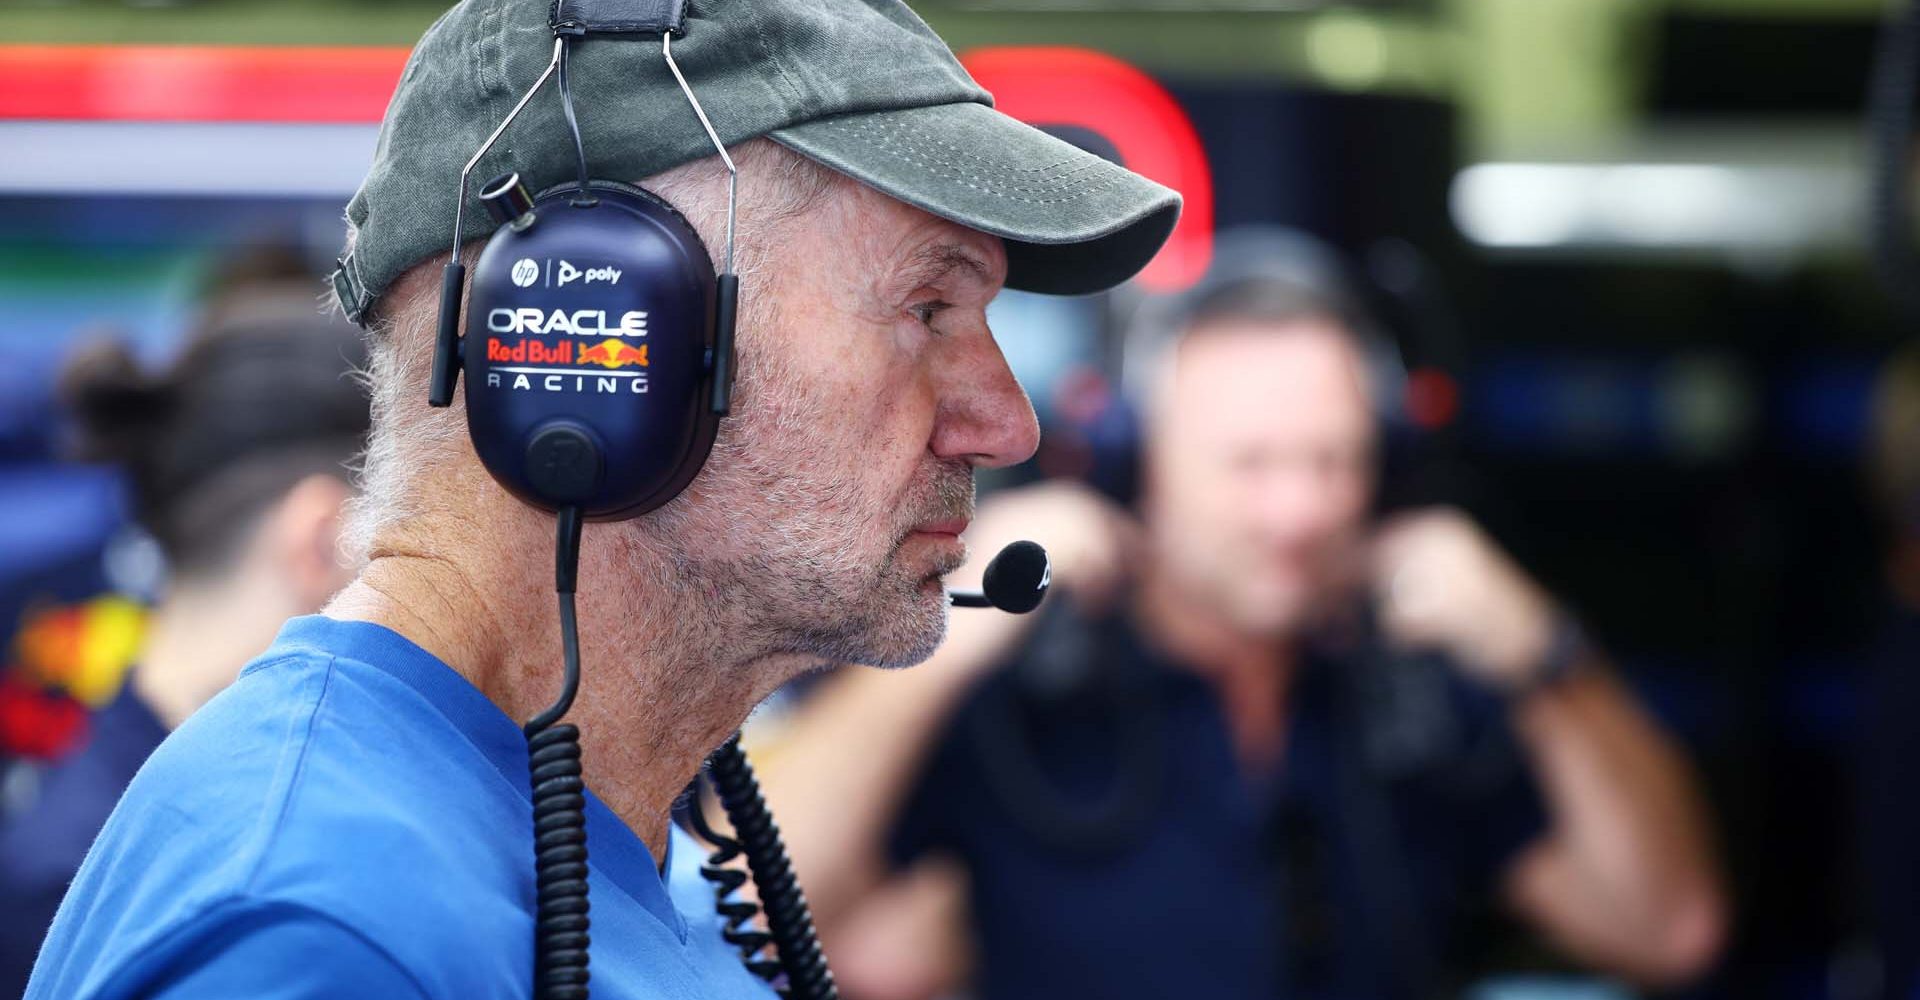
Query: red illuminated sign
190,83
1089,90
1045,86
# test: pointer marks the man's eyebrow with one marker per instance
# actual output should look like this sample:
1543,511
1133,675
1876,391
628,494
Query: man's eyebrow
935,261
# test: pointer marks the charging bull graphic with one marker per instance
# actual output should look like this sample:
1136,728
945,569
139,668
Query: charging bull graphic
614,353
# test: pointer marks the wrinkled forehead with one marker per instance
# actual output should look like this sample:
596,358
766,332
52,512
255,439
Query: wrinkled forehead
883,235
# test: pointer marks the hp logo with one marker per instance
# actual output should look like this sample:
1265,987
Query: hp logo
525,272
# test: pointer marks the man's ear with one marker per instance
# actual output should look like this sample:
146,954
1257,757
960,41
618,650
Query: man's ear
303,539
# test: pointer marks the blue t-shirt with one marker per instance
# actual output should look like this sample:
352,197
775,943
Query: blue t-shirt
352,818
1117,848
44,838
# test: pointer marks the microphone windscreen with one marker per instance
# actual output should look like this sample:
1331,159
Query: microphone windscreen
1017,578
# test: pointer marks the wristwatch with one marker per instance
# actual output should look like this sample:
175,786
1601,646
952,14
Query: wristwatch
1566,655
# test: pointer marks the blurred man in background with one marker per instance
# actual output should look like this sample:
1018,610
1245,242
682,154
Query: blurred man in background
236,457
1266,748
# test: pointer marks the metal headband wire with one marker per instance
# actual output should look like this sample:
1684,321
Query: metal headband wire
459,207
559,48
733,172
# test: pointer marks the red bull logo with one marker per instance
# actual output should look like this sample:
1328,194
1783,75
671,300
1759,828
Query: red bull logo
531,350
612,353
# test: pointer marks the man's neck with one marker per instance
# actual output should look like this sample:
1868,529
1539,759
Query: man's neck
197,640
1250,673
654,699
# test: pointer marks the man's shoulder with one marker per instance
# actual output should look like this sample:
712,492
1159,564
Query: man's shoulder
224,777
313,784
374,792
304,756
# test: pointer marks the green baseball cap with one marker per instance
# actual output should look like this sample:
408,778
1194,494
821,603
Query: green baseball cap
861,86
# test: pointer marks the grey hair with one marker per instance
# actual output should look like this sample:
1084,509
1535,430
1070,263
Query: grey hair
1270,276
409,440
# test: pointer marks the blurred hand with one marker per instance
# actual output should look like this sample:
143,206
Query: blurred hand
1089,540
1442,583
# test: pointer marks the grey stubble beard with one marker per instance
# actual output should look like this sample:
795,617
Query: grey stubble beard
800,586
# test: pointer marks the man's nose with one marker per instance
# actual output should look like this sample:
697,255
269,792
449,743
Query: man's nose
1303,501
984,416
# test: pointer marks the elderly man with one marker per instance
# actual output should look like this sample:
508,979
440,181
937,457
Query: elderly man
352,817
1219,771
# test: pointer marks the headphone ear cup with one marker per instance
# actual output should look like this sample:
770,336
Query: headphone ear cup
588,353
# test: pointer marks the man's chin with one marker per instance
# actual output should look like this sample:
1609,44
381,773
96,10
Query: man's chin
1272,612
901,630
914,630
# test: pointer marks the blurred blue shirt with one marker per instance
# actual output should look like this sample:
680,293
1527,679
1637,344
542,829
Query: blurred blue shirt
44,839
1117,848
1889,817
353,818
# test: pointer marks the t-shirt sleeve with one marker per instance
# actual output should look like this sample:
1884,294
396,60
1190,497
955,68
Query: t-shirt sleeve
1500,801
276,952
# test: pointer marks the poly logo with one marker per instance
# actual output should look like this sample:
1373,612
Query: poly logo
525,272
592,274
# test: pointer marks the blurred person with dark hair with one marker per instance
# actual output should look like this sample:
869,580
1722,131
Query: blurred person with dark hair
1890,811
236,458
1220,770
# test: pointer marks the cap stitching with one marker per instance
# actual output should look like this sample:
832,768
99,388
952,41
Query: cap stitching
894,129
487,51
894,139
1002,191
1091,162
794,97
1064,178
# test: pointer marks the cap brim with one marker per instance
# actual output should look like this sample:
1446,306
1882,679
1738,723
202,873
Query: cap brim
1074,223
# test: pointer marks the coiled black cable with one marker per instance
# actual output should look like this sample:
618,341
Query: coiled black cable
789,923
738,914
560,941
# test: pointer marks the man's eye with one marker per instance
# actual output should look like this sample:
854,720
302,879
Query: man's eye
926,311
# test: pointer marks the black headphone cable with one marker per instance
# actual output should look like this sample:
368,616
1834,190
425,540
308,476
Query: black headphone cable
559,804
585,196
789,921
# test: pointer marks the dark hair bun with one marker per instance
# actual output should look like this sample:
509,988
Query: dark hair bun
120,411
254,400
